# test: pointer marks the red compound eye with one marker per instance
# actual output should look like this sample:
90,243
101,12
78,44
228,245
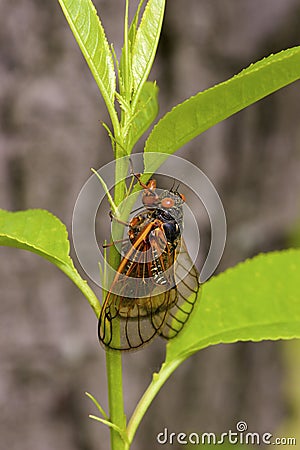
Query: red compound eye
167,202
182,196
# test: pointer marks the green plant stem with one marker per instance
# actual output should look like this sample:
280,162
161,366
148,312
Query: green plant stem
114,381
113,357
157,382
115,397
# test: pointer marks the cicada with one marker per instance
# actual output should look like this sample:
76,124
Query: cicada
156,284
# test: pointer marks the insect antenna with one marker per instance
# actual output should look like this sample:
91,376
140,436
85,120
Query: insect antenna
176,190
172,187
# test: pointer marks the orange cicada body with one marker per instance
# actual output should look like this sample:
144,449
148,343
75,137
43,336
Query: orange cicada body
156,284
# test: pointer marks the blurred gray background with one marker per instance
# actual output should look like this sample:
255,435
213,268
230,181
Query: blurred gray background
50,137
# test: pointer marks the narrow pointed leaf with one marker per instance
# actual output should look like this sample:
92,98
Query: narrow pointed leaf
89,33
131,39
195,115
255,300
134,24
146,41
40,232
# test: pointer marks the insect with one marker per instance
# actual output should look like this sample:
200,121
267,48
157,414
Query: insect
156,284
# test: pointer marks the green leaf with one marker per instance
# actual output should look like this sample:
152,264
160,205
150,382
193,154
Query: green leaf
145,112
125,72
90,36
40,232
255,300
145,43
195,115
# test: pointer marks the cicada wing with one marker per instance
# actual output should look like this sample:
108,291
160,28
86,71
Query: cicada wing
149,297
136,306
184,294
127,323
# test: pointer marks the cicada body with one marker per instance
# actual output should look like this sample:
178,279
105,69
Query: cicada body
156,284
